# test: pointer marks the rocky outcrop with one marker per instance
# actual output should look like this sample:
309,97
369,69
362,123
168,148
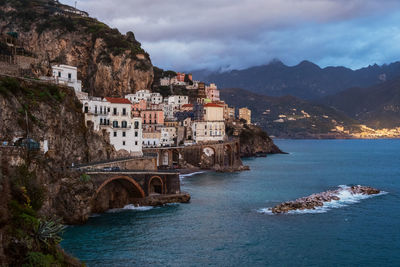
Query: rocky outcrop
253,140
37,184
317,200
109,63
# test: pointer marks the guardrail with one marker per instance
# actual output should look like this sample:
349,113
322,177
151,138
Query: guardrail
145,155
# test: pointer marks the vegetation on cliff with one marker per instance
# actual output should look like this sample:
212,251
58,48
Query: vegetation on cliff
28,238
253,140
37,189
109,62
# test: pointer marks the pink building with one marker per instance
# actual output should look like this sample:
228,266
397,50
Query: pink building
152,118
180,77
212,92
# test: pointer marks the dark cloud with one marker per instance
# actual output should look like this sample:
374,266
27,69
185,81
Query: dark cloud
182,34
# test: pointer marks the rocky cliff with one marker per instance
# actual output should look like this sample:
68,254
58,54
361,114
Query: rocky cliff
109,63
253,140
36,187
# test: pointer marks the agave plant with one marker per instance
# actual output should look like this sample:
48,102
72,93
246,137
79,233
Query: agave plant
49,231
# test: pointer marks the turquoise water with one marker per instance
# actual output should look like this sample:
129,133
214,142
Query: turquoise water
223,225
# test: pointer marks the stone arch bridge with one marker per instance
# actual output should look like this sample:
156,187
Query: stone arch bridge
116,189
225,155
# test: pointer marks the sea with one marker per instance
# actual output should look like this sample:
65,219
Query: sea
228,222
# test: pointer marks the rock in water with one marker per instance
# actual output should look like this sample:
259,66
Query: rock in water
317,200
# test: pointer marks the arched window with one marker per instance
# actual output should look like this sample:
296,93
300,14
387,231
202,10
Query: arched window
115,124
136,125
124,124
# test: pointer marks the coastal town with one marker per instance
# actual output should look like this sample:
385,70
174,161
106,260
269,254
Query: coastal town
146,119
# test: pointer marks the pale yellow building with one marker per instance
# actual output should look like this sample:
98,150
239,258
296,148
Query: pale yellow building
245,113
213,112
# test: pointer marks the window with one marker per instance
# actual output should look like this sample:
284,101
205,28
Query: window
123,134
124,111
101,121
86,109
136,143
124,124
95,109
136,134
115,134
69,76
108,110
59,74
115,124
123,143
115,111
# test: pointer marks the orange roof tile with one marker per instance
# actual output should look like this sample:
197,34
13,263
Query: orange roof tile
117,100
213,105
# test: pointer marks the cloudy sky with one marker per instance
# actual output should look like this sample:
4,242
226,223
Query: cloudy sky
236,34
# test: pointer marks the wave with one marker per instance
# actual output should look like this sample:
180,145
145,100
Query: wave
346,198
131,207
181,176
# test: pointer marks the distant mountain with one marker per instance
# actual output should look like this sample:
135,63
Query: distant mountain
291,117
305,80
377,106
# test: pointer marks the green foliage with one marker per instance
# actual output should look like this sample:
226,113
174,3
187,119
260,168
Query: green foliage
65,24
33,91
38,259
143,65
30,186
49,231
85,177
169,73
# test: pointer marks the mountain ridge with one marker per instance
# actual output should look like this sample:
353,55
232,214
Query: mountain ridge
305,80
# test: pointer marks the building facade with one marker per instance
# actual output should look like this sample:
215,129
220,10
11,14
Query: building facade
245,114
67,75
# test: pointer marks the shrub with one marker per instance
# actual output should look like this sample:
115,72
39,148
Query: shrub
49,232
38,259
85,177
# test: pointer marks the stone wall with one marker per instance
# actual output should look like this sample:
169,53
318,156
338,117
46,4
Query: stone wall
137,163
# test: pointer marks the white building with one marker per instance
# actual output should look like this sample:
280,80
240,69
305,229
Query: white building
212,127
125,130
167,136
151,138
178,100
205,131
96,111
114,115
67,75
154,98
173,103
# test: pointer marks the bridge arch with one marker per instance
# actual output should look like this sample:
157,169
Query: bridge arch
155,185
228,155
208,157
237,149
129,179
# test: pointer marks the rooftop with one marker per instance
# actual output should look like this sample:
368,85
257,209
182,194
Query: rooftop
117,100
213,105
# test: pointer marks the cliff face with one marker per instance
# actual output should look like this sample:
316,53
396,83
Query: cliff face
253,140
40,186
109,63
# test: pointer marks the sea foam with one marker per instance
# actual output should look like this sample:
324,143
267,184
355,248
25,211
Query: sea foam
181,176
131,207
